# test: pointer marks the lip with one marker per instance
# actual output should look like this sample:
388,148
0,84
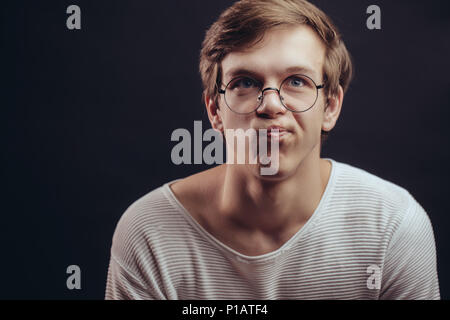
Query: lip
272,133
277,134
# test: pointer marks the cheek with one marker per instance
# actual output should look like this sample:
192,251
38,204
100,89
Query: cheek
235,121
309,123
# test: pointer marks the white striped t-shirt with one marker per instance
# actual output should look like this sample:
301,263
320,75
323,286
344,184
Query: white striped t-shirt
367,239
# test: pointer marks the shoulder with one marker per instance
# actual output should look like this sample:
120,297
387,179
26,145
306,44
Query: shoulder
163,217
365,181
371,201
146,222
361,186
199,193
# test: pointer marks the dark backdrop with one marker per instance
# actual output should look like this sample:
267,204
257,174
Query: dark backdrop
86,119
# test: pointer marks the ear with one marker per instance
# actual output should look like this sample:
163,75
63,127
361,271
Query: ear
332,110
214,113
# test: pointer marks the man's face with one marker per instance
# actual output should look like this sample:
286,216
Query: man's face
271,61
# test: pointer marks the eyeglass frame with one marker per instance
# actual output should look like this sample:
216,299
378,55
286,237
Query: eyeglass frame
262,91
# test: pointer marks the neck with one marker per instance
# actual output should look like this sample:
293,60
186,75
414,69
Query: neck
272,206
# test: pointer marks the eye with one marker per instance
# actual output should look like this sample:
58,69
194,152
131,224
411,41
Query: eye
243,83
296,82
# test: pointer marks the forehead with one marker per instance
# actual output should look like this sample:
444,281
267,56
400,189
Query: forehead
282,50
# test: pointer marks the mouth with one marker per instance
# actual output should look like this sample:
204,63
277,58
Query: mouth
277,132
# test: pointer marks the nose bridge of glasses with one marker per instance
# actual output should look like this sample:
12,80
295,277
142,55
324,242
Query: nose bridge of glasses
263,93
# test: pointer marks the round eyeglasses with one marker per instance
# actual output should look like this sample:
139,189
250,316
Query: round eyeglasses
244,95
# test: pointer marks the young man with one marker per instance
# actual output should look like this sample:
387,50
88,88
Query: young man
318,228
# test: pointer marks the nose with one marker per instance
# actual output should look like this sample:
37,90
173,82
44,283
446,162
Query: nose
270,102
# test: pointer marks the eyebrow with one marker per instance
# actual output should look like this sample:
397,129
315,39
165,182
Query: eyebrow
295,69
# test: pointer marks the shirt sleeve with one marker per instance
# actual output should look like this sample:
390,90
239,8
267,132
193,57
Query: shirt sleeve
123,285
409,271
132,271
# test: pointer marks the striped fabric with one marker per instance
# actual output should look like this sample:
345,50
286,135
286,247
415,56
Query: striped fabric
367,239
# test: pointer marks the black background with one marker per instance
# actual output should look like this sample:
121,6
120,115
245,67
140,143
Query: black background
86,119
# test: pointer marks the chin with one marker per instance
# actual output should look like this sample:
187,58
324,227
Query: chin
283,172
